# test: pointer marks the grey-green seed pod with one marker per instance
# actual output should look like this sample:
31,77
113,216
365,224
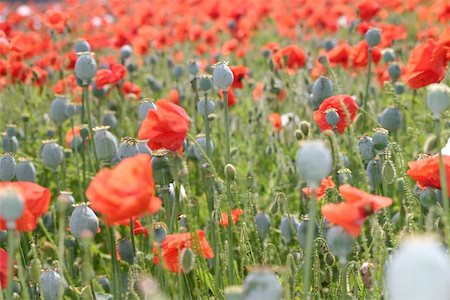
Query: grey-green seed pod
52,285
145,105
104,282
340,242
26,171
391,119
332,117
399,88
366,149
85,68
388,55
302,231
64,201
205,82
262,222
201,140
178,71
373,173
373,37
322,89
3,237
10,144
222,76
394,71
288,228
154,84
143,147
58,110
205,108
11,206
83,219
193,67
345,176
438,98
127,148
84,131
52,154
70,110
160,231
82,46
11,130
304,128
427,197
109,119
126,51
329,44
76,143
230,171
126,251
314,162
262,284
187,260
105,143
380,139
7,167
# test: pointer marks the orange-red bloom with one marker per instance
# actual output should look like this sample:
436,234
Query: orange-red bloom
165,127
124,192
3,268
321,191
36,198
110,76
239,73
427,64
231,97
275,119
56,20
355,209
71,134
359,54
130,88
426,171
174,244
338,103
368,9
235,214
292,57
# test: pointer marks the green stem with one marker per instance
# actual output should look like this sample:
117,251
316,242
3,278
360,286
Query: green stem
133,243
11,250
309,245
115,266
369,73
91,134
343,280
77,164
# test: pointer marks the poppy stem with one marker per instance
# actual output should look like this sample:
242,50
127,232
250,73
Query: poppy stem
77,163
91,134
309,245
115,266
369,73
11,250
343,280
133,242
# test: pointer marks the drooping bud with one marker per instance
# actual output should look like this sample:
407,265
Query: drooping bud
262,222
187,260
288,228
380,139
230,171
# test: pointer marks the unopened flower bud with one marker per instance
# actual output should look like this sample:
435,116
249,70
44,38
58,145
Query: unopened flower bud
373,37
322,89
298,135
222,76
388,55
83,219
305,126
193,67
340,242
288,228
380,139
230,171
314,162
438,99
366,149
187,260
7,167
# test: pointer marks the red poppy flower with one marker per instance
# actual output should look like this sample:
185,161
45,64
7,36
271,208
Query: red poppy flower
139,228
355,209
275,119
231,97
239,73
321,191
55,20
427,64
235,214
36,198
124,192
368,9
3,268
110,76
292,57
174,244
426,171
359,54
335,102
71,134
131,89
258,92
165,127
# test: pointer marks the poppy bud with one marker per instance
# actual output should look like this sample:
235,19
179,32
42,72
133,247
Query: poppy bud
288,228
399,88
3,236
332,117
187,260
314,162
322,89
161,170
391,119
10,144
155,84
345,176
109,119
380,139
394,71
64,201
52,154
302,230
304,128
222,76
419,269
126,51
262,284
132,67
205,82
11,130
144,106
7,167
143,147
98,92
298,135
84,131
178,71
373,173
26,171
207,105
82,46
366,149
105,143
388,55
58,109
85,68
201,140
340,242
323,60
193,67
233,292
52,285
160,232
438,99
76,143
83,218
427,197
373,37
35,269
126,250
230,171
127,148
11,206
262,222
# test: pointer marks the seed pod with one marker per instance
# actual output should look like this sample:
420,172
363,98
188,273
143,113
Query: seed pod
391,119
104,282
105,143
222,76
373,173
143,147
288,228
322,89
10,144
345,176
314,162
76,143
52,285
178,71
127,148
193,67
154,84
11,130
126,251
230,171
304,128
332,117
399,88
11,206
201,140
366,149
82,46
262,222
394,71
64,201
98,92
109,119
438,99
126,51
161,170
52,154
210,107
70,110
205,82
160,231
83,219
262,284
85,68
7,167
373,37
427,197
388,55
58,109
3,237
145,105
329,44
187,260
340,242
302,230
380,139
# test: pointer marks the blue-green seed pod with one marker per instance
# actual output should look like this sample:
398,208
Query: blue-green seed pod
82,46
399,88
388,55
314,162
154,83
52,285
438,99
161,170
126,250
160,232
178,71
132,67
85,68
3,237
109,119
10,144
76,143
329,44
207,105
58,109
52,154
391,119
8,167
373,37
11,130
345,176
201,140
47,219
262,222
98,92
427,197
127,148
143,147
373,173
105,143
105,283
380,139
322,89
83,219
145,105
205,82
70,110
302,230
193,67
394,71
340,242
332,117
26,171
366,149
222,76
126,51
288,228
262,284
11,206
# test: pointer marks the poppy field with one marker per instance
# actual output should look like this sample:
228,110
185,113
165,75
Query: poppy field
239,150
